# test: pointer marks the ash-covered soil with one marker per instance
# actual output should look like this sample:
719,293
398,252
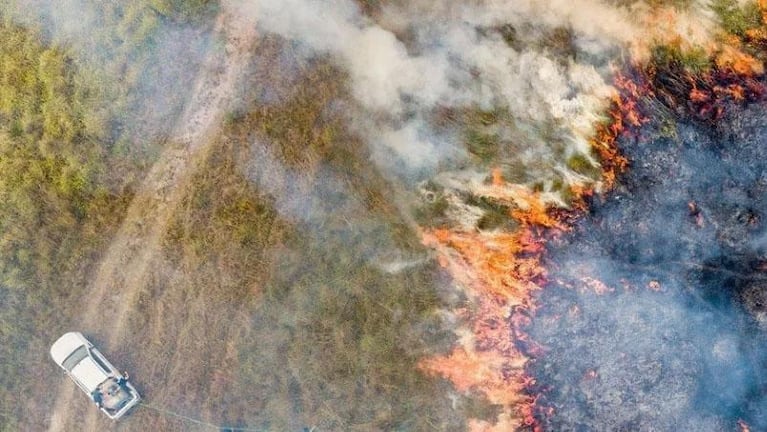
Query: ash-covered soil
655,318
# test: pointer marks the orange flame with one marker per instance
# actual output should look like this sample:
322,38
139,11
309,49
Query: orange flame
668,27
732,57
743,426
624,112
732,54
497,177
527,206
502,271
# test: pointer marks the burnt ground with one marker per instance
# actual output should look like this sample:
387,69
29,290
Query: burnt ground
677,341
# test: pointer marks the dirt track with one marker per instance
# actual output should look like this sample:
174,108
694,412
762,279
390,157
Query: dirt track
132,258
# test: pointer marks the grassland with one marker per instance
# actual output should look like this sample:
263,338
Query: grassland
263,310
288,318
56,207
352,331
70,155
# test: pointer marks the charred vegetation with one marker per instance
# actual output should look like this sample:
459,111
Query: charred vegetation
671,336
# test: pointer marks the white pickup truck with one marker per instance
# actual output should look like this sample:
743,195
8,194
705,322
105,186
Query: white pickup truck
107,387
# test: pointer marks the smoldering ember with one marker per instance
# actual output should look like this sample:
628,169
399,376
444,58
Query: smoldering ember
655,314
649,310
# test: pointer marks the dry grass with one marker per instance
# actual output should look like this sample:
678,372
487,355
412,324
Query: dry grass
261,318
254,316
322,336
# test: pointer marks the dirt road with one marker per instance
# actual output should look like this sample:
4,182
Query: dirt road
129,262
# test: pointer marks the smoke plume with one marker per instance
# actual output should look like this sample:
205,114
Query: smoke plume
633,357
152,58
422,56
654,318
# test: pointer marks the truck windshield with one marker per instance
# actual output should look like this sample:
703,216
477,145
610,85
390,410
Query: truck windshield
75,358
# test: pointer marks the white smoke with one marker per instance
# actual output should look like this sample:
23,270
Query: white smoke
453,57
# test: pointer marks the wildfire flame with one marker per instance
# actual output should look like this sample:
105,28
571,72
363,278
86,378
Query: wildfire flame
668,26
501,272
527,205
743,426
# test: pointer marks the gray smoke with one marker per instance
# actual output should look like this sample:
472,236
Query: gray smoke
427,55
679,343
139,65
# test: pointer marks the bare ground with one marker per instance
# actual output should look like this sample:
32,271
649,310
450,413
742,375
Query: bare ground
133,264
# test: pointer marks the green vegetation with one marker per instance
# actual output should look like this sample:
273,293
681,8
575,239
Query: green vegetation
55,206
483,132
184,10
737,17
496,216
484,146
677,4
580,164
673,58
371,7
355,335
510,36
136,58
432,210
560,42
72,145
250,315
